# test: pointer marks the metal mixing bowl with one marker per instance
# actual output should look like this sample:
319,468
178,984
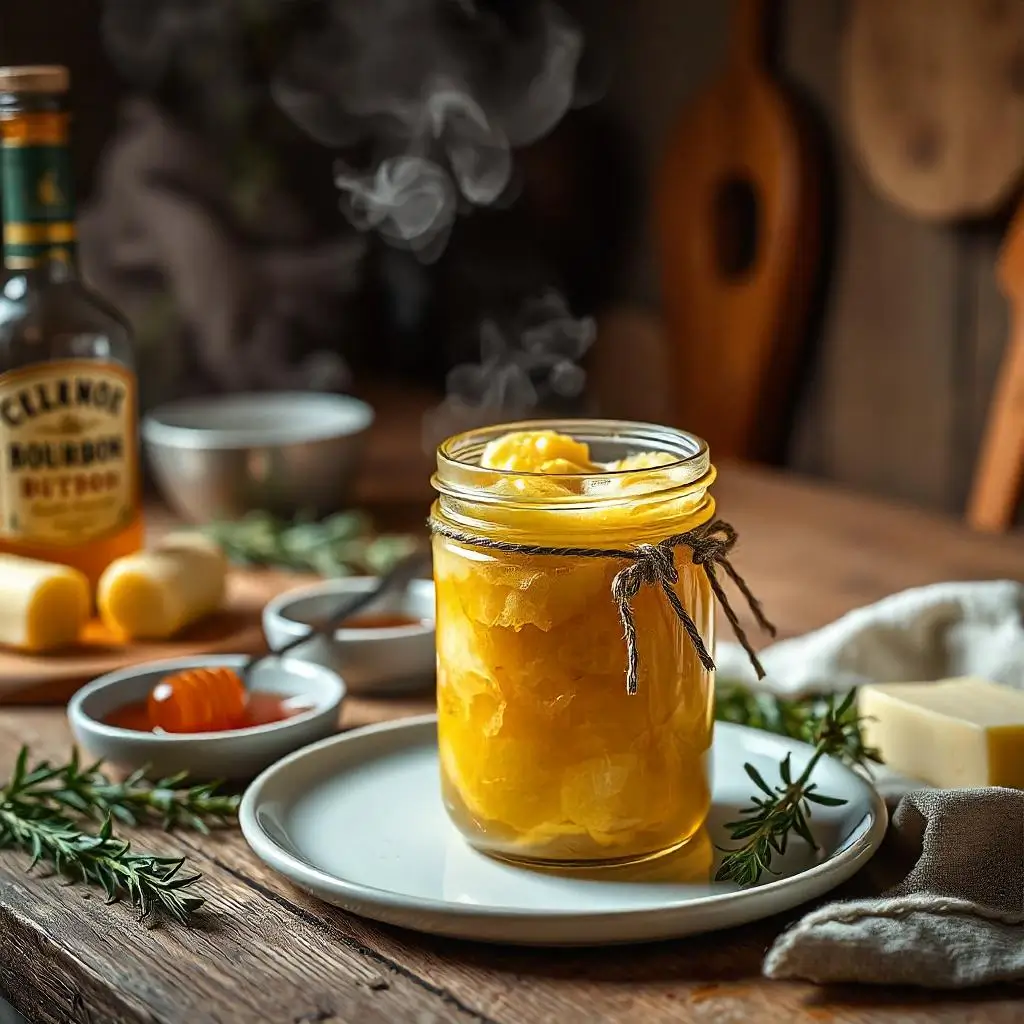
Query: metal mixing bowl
282,452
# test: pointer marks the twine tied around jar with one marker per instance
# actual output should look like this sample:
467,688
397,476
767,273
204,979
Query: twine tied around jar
652,565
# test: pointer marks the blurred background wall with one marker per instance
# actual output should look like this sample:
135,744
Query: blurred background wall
906,335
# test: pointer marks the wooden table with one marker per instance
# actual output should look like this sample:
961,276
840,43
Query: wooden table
267,953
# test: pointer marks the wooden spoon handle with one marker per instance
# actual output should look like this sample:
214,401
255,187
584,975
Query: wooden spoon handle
1000,471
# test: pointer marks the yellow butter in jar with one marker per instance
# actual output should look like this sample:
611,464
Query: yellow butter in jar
544,755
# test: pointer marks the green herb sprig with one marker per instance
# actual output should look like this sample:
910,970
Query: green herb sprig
153,884
777,812
41,808
340,545
799,719
86,790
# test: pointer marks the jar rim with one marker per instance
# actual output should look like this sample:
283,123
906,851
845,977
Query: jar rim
460,475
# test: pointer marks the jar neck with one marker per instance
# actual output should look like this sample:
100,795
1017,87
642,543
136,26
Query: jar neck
38,189
631,519
622,497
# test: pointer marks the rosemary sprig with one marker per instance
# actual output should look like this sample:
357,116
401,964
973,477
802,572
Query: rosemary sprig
86,790
798,718
339,545
775,813
38,806
153,884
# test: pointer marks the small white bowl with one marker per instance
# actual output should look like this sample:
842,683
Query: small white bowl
392,659
238,754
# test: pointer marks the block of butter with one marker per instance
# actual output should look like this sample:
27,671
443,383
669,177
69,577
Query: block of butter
43,606
951,733
154,594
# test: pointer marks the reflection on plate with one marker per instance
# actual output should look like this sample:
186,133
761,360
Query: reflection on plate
357,820
471,877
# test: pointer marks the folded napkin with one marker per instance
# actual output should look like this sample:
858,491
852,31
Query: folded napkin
956,917
955,920
934,632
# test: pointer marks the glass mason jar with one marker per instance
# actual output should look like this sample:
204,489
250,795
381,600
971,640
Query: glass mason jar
545,757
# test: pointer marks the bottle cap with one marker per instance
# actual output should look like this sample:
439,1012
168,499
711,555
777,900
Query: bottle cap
35,79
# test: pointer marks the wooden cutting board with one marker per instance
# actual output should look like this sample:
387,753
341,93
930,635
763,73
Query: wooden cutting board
738,225
37,679
934,91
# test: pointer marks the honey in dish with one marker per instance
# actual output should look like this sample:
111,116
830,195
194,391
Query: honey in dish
205,700
260,709
544,756
198,700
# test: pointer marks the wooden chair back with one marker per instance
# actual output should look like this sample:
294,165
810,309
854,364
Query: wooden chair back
999,475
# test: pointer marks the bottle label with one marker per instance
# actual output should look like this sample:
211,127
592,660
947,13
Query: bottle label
38,202
69,469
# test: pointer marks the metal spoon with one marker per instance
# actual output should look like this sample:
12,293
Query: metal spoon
400,575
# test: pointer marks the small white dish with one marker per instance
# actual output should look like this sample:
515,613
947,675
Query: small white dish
393,659
403,863
238,754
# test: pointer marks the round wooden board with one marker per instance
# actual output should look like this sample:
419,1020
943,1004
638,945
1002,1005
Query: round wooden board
237,628
935,98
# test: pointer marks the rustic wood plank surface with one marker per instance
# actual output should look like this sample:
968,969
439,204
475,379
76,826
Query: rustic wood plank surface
267,953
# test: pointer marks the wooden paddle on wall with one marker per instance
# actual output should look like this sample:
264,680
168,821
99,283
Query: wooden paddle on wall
935,99
738,217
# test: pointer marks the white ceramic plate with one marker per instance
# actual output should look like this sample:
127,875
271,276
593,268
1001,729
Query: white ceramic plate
357,820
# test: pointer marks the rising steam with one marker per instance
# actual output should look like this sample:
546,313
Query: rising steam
427,99
529,362
438,92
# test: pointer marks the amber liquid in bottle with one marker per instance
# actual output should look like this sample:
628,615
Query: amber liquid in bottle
69,466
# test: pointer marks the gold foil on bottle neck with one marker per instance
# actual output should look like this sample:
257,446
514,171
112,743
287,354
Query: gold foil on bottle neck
35,79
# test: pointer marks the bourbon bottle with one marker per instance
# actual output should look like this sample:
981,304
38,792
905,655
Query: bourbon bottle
70,487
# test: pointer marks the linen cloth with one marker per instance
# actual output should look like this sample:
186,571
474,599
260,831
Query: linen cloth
956,917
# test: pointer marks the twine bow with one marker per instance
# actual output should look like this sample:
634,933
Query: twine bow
653,565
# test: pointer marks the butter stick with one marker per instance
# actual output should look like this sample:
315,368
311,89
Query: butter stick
155,594
953,733
43,606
